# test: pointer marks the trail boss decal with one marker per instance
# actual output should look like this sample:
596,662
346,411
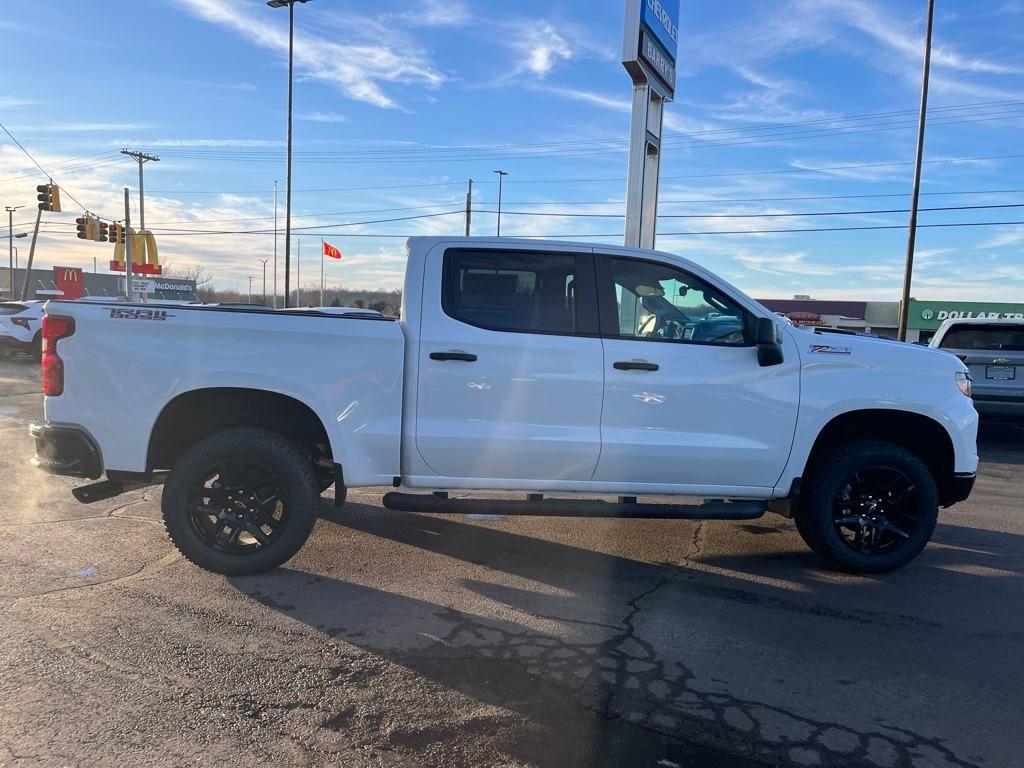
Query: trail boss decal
829,349
138,314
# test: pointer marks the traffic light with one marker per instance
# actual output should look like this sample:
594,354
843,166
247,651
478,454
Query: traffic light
45,201
102,231
115,234
48,197
81,224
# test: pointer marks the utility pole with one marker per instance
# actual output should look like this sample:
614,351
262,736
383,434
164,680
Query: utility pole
275,243
298,273
31,256
142,159
321,272
127,247
249,277
10,247
264,262
469,207
912,231
501,176
288,172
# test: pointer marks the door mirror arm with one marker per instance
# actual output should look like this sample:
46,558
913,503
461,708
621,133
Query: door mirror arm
769,343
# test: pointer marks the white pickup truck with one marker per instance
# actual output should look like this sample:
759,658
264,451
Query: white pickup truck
548,371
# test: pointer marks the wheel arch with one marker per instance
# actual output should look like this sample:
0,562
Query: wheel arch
920,434
193,415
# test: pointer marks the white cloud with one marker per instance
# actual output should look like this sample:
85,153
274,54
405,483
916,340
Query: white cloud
540,47
323,117
356,69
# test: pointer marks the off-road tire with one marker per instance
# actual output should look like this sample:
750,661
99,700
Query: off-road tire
287,460
815,514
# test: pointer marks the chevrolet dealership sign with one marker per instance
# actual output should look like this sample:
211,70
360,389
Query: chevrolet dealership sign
651,43
929,315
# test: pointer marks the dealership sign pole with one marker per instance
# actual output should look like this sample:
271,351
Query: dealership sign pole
649,49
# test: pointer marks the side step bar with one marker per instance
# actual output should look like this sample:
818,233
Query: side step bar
119,482
709,510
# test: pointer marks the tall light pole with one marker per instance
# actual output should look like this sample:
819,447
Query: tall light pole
264,262
10,246
912,230
501,176
275,243
288,170
249,278
142,159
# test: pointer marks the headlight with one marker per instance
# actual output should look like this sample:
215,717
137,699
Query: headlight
963,382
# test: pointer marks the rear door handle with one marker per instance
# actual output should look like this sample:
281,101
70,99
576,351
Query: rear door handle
463,356
634,365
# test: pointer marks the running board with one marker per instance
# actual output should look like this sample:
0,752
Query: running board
709,510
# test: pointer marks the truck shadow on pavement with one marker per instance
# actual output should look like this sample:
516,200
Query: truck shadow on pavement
596,653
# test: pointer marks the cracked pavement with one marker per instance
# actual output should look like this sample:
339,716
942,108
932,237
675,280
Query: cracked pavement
397,639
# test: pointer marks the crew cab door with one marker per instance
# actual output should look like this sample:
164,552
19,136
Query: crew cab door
686,401
510,366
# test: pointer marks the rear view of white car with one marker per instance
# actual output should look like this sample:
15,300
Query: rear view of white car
21,325
993,351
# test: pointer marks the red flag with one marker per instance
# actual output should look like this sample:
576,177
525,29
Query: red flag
330,250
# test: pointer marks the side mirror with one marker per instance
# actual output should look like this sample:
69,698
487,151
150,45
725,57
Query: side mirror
769,345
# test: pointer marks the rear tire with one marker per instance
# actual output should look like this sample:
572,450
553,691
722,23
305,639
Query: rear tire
868,507
241,501
37,347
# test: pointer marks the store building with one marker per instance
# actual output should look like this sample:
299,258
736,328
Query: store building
74,282
925,317
877,317
882,318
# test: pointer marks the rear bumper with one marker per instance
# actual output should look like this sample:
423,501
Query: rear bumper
1006,406
65,450
959,488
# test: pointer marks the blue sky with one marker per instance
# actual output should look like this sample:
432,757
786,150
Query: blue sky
398,103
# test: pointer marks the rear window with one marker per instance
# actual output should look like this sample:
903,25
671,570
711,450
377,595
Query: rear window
1008,338
509,291
12,308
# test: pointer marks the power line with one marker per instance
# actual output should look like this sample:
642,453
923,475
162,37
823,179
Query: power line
557,214
37,165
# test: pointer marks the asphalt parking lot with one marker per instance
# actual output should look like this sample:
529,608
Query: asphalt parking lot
397,639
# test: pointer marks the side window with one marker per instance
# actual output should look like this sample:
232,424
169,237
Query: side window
661,303
512,291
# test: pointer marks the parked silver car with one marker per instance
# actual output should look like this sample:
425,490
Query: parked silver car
993,350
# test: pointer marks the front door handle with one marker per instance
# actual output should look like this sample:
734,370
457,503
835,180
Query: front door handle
634,365
463,356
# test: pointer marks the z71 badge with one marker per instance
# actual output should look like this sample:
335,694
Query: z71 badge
829,349
121,313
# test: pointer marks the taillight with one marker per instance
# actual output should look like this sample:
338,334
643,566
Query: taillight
55,328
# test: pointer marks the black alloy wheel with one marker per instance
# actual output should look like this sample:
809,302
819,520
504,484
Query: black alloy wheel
874,511
241,501
241,507
868,506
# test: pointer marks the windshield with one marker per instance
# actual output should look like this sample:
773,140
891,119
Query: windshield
1007,338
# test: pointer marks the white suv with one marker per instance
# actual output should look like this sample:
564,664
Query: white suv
21,324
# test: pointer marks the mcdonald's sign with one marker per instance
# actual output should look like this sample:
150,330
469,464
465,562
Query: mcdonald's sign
145,259
70,281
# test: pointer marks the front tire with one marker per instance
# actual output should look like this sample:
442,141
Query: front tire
241,501
868,507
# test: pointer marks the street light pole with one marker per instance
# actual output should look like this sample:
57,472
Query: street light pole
275,243
10,247
249,277
501,176
264,262
288,169
912,230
